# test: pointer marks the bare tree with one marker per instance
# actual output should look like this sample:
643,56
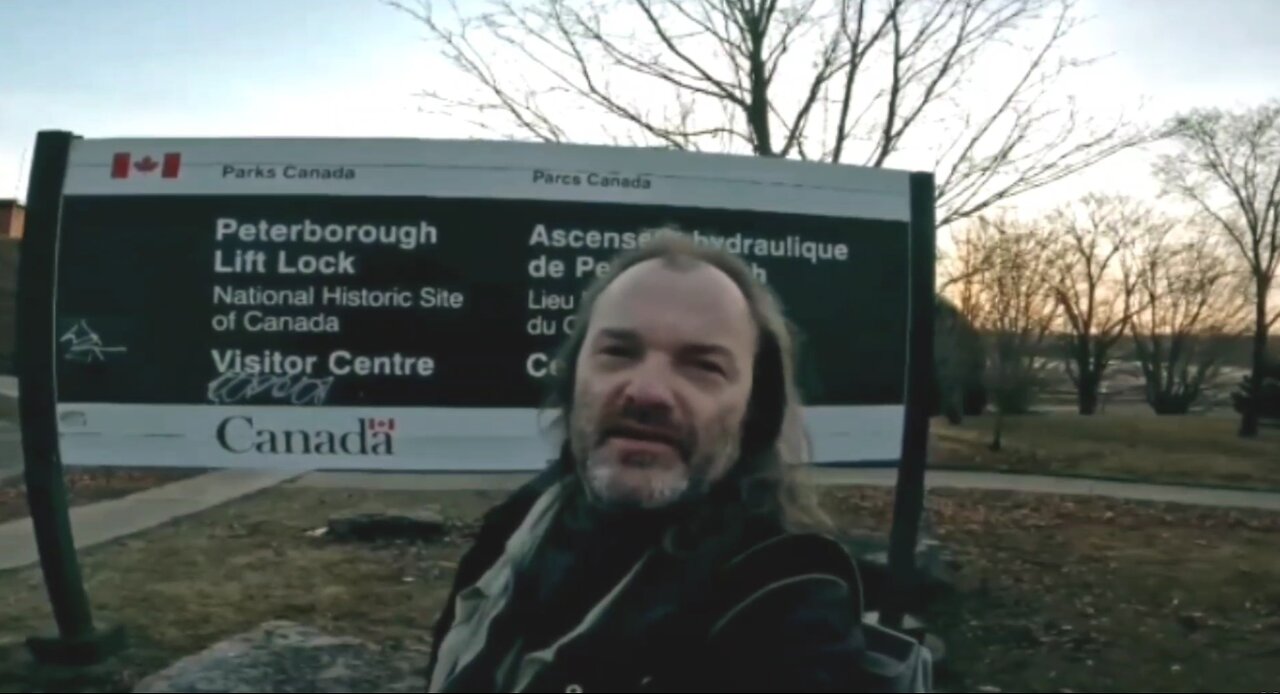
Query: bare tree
1192,304
1011,304
1094,284
1228,165
971,85
960,355
963,272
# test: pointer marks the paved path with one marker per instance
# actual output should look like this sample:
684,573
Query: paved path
954,479
10,438
96,523
92,524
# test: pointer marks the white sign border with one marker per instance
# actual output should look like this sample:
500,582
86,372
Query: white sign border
482,169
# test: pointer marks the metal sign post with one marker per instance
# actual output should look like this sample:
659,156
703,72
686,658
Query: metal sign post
908,503
79,641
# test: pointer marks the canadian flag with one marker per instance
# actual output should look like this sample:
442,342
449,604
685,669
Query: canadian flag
376,425
124,165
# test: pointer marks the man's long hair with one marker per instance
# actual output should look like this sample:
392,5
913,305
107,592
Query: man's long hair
766,481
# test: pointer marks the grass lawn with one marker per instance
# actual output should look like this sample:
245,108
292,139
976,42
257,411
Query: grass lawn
1081,594
1202,450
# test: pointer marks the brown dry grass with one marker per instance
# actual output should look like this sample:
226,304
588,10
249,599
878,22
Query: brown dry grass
185,585
1055,592
1087,594
1198,450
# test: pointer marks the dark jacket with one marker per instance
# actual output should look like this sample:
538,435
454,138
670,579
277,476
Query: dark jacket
766,612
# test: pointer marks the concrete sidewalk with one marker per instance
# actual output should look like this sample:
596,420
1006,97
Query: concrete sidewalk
104,521
92,524
10,432
882,477
1051,484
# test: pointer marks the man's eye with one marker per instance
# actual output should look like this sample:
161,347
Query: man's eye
710,367
615,351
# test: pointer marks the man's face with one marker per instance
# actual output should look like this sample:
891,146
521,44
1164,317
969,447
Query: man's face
663,381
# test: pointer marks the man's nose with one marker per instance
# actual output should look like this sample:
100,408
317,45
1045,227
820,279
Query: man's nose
648,387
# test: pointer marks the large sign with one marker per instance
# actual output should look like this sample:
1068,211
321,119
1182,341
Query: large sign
394,304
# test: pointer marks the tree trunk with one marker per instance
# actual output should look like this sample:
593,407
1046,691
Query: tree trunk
1087,391
996,438
1089,400
953,410
1249,420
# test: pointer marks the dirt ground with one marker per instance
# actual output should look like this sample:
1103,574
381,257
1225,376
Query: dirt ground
1082,594
1199,450
1054,593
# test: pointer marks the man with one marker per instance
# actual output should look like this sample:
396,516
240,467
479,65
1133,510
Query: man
671,547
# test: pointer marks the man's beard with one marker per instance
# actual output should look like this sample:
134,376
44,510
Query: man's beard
633,485
609,488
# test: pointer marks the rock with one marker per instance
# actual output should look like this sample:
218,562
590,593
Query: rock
935,576
422,526
283,656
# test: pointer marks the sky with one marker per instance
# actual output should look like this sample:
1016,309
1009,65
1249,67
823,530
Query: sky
351,68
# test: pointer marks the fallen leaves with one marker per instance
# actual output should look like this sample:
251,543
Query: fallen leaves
1105,593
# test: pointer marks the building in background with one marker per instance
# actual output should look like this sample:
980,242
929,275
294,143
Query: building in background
12,216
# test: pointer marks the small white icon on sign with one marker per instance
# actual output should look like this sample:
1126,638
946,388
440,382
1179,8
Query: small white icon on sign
86,345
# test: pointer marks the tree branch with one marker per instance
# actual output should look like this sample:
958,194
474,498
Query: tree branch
895,88
821,76
647,8
856,53
713,74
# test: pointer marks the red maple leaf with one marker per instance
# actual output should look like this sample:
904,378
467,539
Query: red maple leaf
146,164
